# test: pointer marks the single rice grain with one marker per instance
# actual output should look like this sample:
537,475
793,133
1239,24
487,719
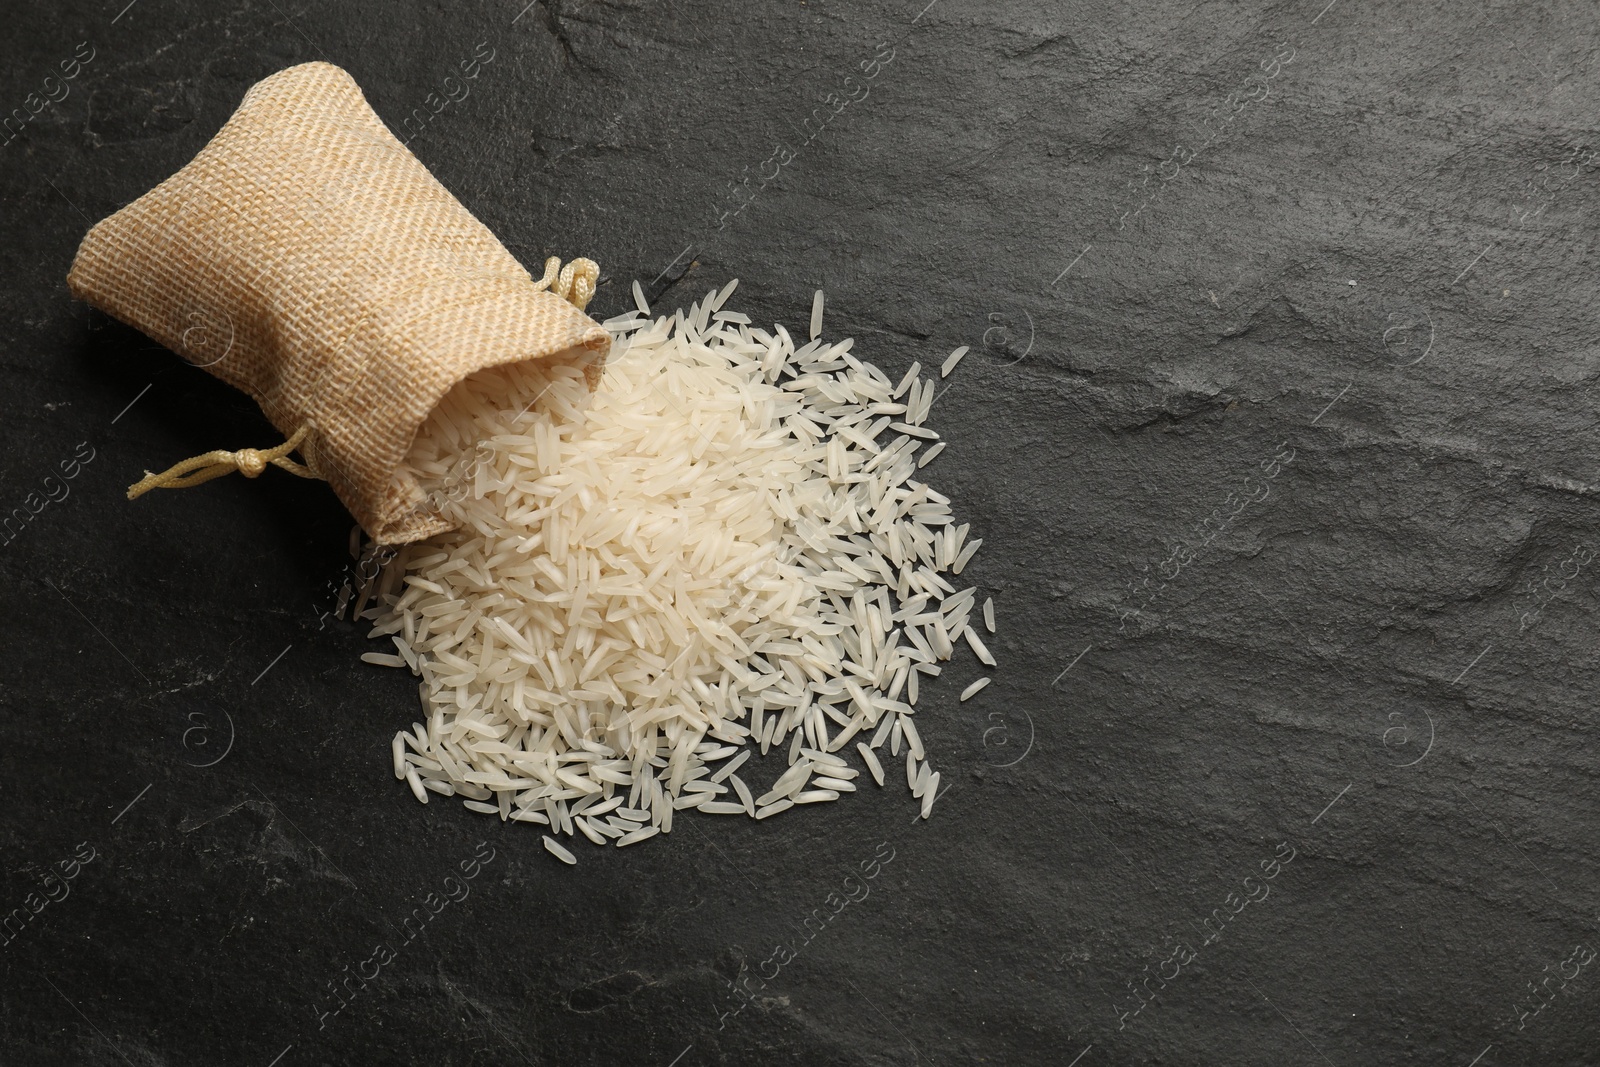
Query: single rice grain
558,850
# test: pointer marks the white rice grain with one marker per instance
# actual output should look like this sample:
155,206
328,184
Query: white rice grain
732,765
870,758
914,431
744,794
913,737
638,835
978,647
773,809
883,732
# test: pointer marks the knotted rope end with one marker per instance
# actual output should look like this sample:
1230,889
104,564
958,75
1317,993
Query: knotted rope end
249,462
575,283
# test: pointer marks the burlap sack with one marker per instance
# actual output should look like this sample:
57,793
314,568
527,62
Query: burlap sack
308,258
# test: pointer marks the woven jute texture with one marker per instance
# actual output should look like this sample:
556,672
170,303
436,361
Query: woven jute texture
308,258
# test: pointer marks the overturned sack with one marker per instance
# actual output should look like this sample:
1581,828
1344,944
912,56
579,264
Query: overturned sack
306,257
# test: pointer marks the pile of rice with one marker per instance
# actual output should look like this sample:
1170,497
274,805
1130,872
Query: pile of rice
723,548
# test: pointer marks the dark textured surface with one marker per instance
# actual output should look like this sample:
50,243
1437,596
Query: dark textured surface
1294,467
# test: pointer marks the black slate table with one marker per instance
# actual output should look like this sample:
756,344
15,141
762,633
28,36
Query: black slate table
1278,425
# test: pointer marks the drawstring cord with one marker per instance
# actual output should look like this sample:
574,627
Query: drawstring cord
249,462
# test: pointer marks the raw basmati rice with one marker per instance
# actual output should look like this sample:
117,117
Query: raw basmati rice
951,361
719,808
558,850
638,835
744,794
773,809
972,690
722,548
913,737
980,649
870,758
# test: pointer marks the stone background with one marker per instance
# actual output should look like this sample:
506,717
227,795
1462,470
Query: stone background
1278,426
